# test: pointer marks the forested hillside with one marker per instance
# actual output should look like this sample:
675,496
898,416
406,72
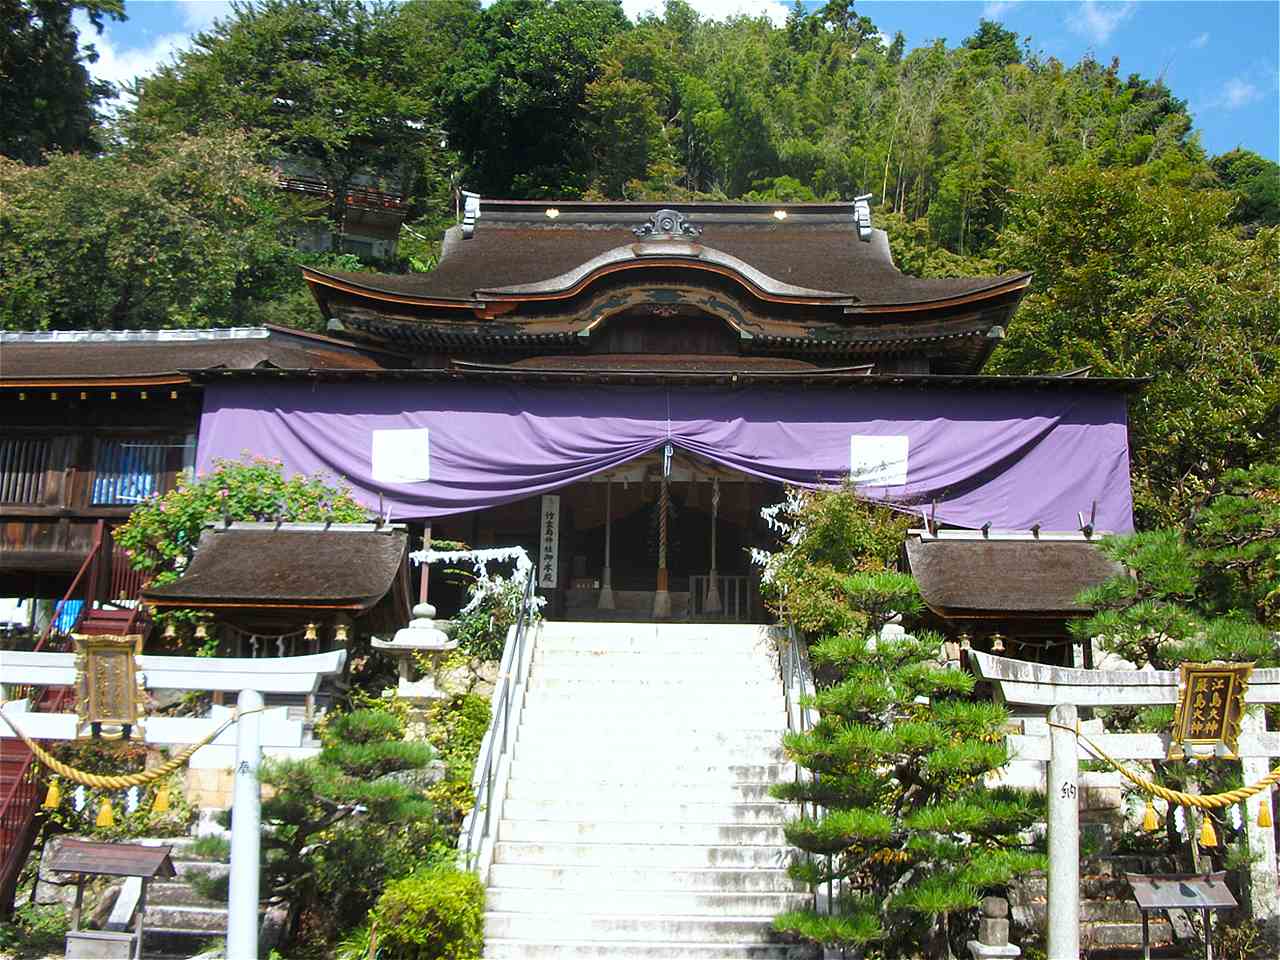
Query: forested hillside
1151,258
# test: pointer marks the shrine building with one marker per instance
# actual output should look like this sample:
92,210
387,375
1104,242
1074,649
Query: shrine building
617,387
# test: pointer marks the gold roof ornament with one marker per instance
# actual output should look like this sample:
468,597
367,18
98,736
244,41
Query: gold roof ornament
109,688
1210,707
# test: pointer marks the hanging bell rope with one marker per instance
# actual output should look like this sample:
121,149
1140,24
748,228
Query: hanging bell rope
121,781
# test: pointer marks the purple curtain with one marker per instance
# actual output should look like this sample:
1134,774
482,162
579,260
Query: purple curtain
1009,456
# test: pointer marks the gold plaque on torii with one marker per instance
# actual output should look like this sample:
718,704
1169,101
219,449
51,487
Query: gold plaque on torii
1210,708
109,695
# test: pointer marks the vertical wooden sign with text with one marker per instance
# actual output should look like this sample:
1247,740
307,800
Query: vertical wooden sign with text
549,551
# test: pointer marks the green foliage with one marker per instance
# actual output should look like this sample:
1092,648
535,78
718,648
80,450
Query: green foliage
184,232
434,914
1148,279
900,755
109,758
1256,181
492,608
1207,592
337,828
456,728
48,100
34,930
334,87
161,533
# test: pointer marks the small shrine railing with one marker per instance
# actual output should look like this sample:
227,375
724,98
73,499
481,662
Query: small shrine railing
735,597
475,841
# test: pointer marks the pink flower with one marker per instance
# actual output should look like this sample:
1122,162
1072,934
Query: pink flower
224,492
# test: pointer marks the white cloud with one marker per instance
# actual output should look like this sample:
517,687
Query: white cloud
995,9
775,10
118,65
1200,42
1236,93
200,14
1098,21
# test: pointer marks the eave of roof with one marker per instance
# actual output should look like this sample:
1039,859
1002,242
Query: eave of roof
463,370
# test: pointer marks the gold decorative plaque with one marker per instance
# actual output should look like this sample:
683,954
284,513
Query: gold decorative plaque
108,688
1209,710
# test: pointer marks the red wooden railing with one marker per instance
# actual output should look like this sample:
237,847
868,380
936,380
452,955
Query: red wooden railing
22,780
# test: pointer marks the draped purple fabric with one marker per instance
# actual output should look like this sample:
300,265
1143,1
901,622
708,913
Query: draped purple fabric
1013,457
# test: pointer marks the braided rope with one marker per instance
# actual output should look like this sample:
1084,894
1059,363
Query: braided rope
1210,801
121,781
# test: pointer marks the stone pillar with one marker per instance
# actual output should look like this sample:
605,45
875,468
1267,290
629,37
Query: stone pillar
1064,835
1264,896
246,832
606,575
662,598
993,931
714,604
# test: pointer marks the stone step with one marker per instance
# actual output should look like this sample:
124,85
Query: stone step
643,903
550,787
645,771
173,894
694,880
653,635
746,653
566,854
623,927
658,687
187,868
1117,911
1036,888
569,663
161,918
603,831
625,741
628,810
567,715
1124,934
647,754
511,949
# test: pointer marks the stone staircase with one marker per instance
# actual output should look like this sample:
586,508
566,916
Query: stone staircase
178,918
637,821
1110,922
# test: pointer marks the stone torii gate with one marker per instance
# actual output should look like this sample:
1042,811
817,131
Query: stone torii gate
255,730
1033,689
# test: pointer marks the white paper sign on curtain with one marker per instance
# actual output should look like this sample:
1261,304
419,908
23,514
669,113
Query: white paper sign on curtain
878,461
549,552
401,456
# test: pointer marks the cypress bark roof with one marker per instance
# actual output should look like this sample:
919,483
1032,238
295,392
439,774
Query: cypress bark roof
971,577
81,357
813,254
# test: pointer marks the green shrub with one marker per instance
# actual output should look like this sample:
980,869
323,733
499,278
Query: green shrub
434,914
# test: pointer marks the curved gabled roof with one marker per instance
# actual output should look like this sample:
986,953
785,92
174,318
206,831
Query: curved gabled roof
813,253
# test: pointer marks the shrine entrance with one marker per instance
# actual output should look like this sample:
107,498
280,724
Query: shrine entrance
658,538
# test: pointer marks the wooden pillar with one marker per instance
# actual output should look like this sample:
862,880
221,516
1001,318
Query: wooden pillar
662,598
713,603
606,575
426,567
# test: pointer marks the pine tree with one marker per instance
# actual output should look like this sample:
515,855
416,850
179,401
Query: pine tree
908,832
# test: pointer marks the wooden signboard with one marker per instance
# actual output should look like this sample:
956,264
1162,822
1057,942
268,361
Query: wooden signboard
1210,706
107,690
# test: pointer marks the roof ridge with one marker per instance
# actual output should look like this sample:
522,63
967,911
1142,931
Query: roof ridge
134,336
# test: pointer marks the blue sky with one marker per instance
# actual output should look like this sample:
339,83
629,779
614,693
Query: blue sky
1221,56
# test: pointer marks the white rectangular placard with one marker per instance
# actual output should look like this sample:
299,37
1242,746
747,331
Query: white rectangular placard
401,456
878,461
549,552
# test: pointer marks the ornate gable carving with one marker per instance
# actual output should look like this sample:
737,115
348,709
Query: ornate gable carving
668,225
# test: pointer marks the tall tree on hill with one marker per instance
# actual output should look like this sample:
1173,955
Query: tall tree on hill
188,232
337,89
1138,279
48,100
515,93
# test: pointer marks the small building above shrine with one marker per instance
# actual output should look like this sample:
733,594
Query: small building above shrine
520,278
273,578
1008,591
